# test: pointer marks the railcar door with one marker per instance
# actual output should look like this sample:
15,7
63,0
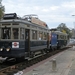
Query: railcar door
27,40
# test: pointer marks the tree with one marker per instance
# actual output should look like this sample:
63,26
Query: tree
63,28
2,9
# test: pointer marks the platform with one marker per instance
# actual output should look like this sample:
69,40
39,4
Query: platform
65,65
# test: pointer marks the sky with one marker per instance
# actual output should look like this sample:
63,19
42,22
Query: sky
53,12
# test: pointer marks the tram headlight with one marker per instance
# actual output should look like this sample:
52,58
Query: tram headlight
1,49
8,49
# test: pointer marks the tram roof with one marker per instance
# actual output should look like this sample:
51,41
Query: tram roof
21,21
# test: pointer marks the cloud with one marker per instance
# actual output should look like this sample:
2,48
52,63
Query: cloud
69,4
50,11
54,7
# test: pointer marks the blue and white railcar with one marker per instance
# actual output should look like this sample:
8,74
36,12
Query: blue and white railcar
22,37
53,42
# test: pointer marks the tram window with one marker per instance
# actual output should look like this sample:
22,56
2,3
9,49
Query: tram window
15,33
65,37
45,36
6,33
40,35
21,33
34,34
60,36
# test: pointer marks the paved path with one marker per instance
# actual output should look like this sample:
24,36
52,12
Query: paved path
65,65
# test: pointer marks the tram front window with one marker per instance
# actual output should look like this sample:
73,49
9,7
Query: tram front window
15,33
6,33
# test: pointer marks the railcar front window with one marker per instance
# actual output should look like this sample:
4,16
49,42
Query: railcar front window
15,33
6,33
21,33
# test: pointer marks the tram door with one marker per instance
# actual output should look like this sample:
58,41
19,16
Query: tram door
27,40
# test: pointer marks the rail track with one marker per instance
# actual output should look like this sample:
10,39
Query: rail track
11,69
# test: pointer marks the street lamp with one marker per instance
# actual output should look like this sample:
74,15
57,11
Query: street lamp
74,28
73,15
74,22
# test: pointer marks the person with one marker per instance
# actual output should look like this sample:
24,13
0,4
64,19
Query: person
6,34
15,34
